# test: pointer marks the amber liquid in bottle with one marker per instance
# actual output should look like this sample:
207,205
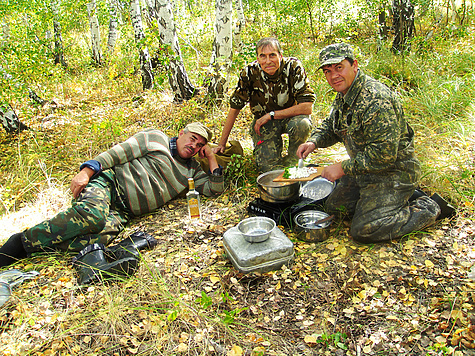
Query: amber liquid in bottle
193,199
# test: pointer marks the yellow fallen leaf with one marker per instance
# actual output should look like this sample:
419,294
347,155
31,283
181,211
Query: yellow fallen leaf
310,339
182,347
428,264
214,279
235,351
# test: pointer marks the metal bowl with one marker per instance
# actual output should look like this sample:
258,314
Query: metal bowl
308,225
277,192
256,229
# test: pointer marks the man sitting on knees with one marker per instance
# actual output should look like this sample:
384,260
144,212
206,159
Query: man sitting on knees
376,182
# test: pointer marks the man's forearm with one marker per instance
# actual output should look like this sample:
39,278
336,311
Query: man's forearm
228,125
299,109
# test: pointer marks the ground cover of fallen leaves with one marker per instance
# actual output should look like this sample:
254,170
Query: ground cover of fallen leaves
409,297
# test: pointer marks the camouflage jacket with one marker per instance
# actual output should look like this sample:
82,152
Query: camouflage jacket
287,87
370,121
149,175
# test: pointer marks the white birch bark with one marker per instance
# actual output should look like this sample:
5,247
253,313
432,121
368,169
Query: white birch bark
178,78
10,121
58,39
95,33
113,26
238,26
145,65
221,56
5,32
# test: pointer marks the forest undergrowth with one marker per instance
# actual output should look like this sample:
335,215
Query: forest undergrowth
411,297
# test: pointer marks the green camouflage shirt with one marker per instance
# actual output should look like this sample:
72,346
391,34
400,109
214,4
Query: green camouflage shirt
370,121
287,87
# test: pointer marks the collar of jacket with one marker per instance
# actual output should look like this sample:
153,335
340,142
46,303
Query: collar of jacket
354,90
174,152
277,75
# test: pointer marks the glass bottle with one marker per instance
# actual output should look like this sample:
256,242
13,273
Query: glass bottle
193,199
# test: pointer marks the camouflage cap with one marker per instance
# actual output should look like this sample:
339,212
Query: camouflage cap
335,53
200,129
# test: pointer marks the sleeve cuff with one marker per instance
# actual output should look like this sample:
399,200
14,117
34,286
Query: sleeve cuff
217,171
92,164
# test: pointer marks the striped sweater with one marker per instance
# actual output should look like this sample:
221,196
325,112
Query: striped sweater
149,176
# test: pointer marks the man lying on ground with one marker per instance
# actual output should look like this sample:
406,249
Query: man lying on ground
132,178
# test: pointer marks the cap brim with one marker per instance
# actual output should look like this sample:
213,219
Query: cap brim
332,61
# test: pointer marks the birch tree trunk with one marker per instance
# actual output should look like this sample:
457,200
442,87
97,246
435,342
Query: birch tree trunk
113,26
58,39
5,32
221,57
10,121
95,33
403,23
241,21
178,78
145,65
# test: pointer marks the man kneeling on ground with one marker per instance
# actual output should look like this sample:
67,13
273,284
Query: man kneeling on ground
377,181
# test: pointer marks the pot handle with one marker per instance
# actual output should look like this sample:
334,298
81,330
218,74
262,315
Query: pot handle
321,221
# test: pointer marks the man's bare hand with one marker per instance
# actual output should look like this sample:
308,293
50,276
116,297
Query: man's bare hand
260,122
333,172
207,152
80,181
218,149
305,149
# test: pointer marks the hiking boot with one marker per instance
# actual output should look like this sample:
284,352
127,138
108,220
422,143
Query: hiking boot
92,265
131,245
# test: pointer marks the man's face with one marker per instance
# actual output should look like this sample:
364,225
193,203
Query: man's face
269,59
189,143
340,76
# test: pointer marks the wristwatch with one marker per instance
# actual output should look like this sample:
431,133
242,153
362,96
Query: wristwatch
272,113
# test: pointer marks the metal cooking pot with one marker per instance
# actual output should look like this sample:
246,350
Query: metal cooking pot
277,192
311,225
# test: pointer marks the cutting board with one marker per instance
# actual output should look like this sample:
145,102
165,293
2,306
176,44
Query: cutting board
280,177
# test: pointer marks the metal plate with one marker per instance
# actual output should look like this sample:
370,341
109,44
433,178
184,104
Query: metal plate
317,189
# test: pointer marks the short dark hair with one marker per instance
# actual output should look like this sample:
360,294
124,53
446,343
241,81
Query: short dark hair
269,41
351,60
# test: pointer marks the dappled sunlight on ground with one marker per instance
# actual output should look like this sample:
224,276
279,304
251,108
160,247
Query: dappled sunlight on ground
48,203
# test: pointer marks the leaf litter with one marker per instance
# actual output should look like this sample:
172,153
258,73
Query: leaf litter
338,297
403,297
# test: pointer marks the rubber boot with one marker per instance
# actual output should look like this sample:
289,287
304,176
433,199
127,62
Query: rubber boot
12,250
130,246
92,265
446,210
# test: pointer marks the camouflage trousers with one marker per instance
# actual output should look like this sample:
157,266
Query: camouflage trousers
97,215
269,145
381,211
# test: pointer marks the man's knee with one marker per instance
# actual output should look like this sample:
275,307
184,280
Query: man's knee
300,127
94,217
